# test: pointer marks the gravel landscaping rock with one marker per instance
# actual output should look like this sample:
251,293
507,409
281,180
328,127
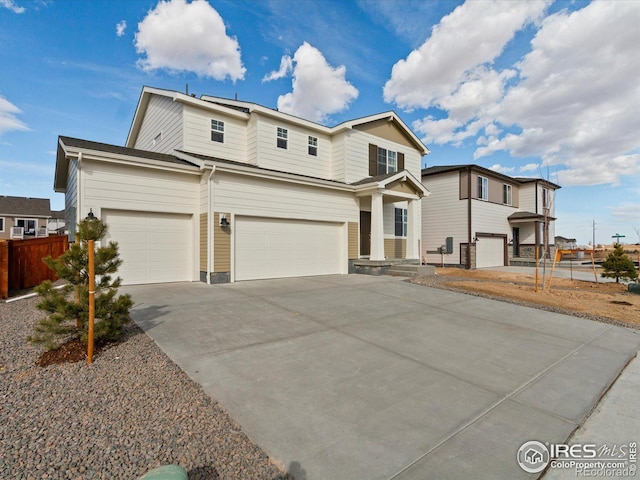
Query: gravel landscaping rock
132,410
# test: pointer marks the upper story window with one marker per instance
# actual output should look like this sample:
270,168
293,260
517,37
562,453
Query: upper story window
217,131
507,194
483,188
387,161
283,137
401,222
1,224
313,146
546,198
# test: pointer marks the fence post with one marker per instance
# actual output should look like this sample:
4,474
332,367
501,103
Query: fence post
4,270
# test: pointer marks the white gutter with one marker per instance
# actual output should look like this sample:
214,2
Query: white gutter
209,239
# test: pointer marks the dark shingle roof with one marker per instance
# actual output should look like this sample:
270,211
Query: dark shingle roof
132,152
451,168
40,207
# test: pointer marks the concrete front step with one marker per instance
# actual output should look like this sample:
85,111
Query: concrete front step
411,270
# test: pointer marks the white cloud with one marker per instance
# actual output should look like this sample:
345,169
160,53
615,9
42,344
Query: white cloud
120,28
181,36
11,5
8,120
578,99
319,89
286,67
474,34
529,167
502,169
627,212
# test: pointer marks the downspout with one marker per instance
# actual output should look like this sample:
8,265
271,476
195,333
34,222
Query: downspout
209,239
78,191
469,217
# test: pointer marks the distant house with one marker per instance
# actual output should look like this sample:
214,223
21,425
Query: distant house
57,222
563,243
23,217
484,218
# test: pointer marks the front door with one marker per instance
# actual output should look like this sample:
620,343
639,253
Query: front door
365,234
516,241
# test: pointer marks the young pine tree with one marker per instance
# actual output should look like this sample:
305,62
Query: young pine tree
68,307
619,266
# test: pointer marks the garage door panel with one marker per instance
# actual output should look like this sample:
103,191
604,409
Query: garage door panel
275,248
490,252
154,247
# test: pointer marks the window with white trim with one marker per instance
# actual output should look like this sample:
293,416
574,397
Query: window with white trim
546,198
217,131
313,146
401,222
29,224
283,138
387,161
1,224
507,194
483,188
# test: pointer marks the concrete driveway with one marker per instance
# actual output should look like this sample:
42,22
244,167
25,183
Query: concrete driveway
359,377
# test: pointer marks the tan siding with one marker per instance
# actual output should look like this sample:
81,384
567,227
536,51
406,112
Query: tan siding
353,240
464,185
387,130
395,247
203,242
221,245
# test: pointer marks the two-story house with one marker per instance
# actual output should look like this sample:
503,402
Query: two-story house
24,217
484,218
223,190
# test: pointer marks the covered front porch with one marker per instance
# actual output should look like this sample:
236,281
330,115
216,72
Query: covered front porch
389,227
530,233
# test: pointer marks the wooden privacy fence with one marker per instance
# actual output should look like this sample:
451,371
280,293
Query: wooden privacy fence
21,263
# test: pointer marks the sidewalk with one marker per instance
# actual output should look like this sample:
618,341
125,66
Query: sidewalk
615,421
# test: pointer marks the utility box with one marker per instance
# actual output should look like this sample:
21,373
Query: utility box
449,246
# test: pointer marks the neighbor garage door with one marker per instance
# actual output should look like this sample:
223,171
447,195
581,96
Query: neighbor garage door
154,247
489,252
275,248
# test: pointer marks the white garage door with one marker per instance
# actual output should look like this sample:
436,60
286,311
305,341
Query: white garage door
489,252
275,248
154,247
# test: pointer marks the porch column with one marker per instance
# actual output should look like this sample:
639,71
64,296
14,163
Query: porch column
412,230
377,227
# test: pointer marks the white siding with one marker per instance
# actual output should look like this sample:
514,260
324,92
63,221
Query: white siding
126,187
296,158
163,116
252,140
338,157
197,135
244,195
443,215
357,155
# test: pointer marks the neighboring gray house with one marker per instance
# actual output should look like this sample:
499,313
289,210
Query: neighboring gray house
491,219
563,243
30,215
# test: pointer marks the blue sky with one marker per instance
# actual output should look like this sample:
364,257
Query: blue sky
547,88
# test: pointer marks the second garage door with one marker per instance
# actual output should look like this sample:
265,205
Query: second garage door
276,248
490,252
154,247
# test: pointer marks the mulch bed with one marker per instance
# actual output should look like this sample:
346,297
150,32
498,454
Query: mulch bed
72,351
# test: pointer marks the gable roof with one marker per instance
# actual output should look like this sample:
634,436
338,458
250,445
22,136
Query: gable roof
438,169
242,109
69,147
385,180
32,207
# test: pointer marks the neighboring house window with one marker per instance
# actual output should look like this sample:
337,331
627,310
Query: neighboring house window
546,198
283,135
387,161
401,222
507,194
217,131
28,224
483,188
1,224
313,146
